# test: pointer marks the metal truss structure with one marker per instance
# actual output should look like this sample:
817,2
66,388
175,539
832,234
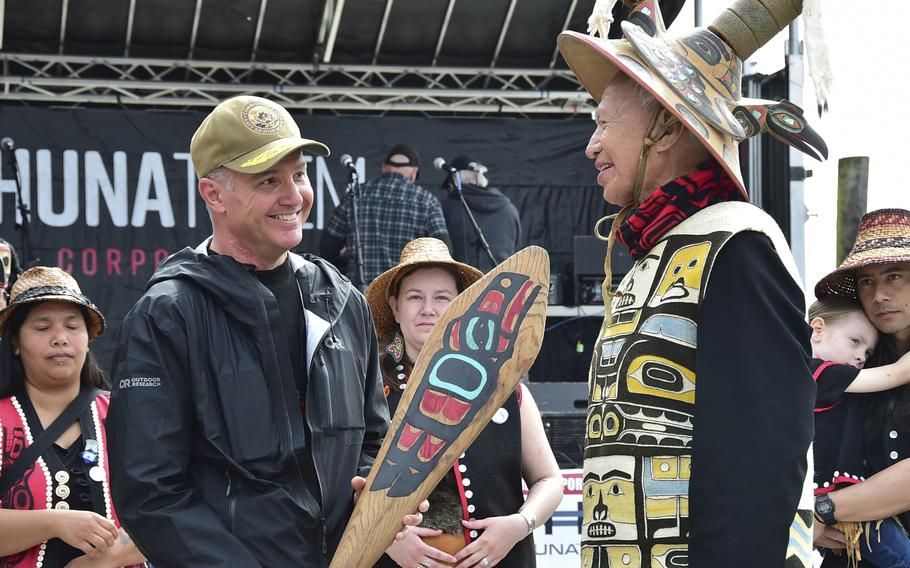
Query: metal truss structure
322,88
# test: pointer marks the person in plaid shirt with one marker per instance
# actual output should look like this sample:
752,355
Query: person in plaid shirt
392,211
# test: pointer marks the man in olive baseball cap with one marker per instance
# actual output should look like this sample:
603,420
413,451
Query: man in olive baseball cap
249,135
225,341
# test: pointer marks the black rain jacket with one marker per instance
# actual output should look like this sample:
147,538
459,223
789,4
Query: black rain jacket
213,463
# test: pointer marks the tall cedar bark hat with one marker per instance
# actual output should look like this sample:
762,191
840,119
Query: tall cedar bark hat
883,238
43,284
697,76
419,253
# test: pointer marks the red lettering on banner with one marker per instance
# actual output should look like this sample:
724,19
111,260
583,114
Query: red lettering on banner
65,259
89,261
93,262
572,483
113,261
137,258
160,254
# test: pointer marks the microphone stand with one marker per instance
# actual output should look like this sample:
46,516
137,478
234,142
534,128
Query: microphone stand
353,191
24,212
455,177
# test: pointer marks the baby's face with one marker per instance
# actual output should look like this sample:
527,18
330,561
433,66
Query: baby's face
849,340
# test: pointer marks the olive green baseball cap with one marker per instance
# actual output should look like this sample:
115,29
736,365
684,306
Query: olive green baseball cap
249,135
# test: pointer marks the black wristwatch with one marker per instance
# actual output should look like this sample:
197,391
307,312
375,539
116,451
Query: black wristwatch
824,509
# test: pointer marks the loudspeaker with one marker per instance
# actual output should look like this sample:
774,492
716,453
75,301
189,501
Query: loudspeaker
563,409
566,435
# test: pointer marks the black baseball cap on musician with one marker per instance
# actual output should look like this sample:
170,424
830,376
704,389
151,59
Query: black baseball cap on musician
402,155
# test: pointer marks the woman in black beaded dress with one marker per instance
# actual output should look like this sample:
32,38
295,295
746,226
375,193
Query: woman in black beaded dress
478,515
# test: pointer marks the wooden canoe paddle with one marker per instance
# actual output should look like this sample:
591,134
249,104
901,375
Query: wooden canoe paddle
483,344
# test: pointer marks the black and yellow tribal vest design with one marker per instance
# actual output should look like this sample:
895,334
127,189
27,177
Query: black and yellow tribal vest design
641,400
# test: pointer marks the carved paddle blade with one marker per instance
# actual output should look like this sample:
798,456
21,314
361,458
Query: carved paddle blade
472,361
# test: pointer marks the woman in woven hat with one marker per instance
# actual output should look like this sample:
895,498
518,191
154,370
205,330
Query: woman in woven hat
712,304
485,483
55,507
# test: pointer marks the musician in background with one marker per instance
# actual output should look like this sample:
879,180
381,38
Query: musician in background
495,214
391,211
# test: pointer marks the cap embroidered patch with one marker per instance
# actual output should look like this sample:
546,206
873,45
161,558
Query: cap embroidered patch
247,134
263,157
261,119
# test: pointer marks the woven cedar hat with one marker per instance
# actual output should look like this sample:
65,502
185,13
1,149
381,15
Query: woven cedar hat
883,238
418,253
697,76
43,284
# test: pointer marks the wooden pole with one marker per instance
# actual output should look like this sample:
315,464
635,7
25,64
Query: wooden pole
852,185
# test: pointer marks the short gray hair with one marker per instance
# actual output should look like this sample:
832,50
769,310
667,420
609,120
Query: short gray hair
223,176
650,104
648,101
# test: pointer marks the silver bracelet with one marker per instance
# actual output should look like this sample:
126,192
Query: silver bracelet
529,518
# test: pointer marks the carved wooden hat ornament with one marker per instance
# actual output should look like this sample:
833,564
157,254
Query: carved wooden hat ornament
698,75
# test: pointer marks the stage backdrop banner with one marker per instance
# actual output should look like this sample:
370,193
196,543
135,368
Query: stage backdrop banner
112,192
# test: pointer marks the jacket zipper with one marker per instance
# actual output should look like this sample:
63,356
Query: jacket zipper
232,499
325,530
317,355
287,416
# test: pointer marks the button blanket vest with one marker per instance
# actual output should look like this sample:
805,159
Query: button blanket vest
641,400
34,491
488,478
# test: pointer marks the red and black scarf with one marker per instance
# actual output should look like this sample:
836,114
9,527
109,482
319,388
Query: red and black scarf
672,204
